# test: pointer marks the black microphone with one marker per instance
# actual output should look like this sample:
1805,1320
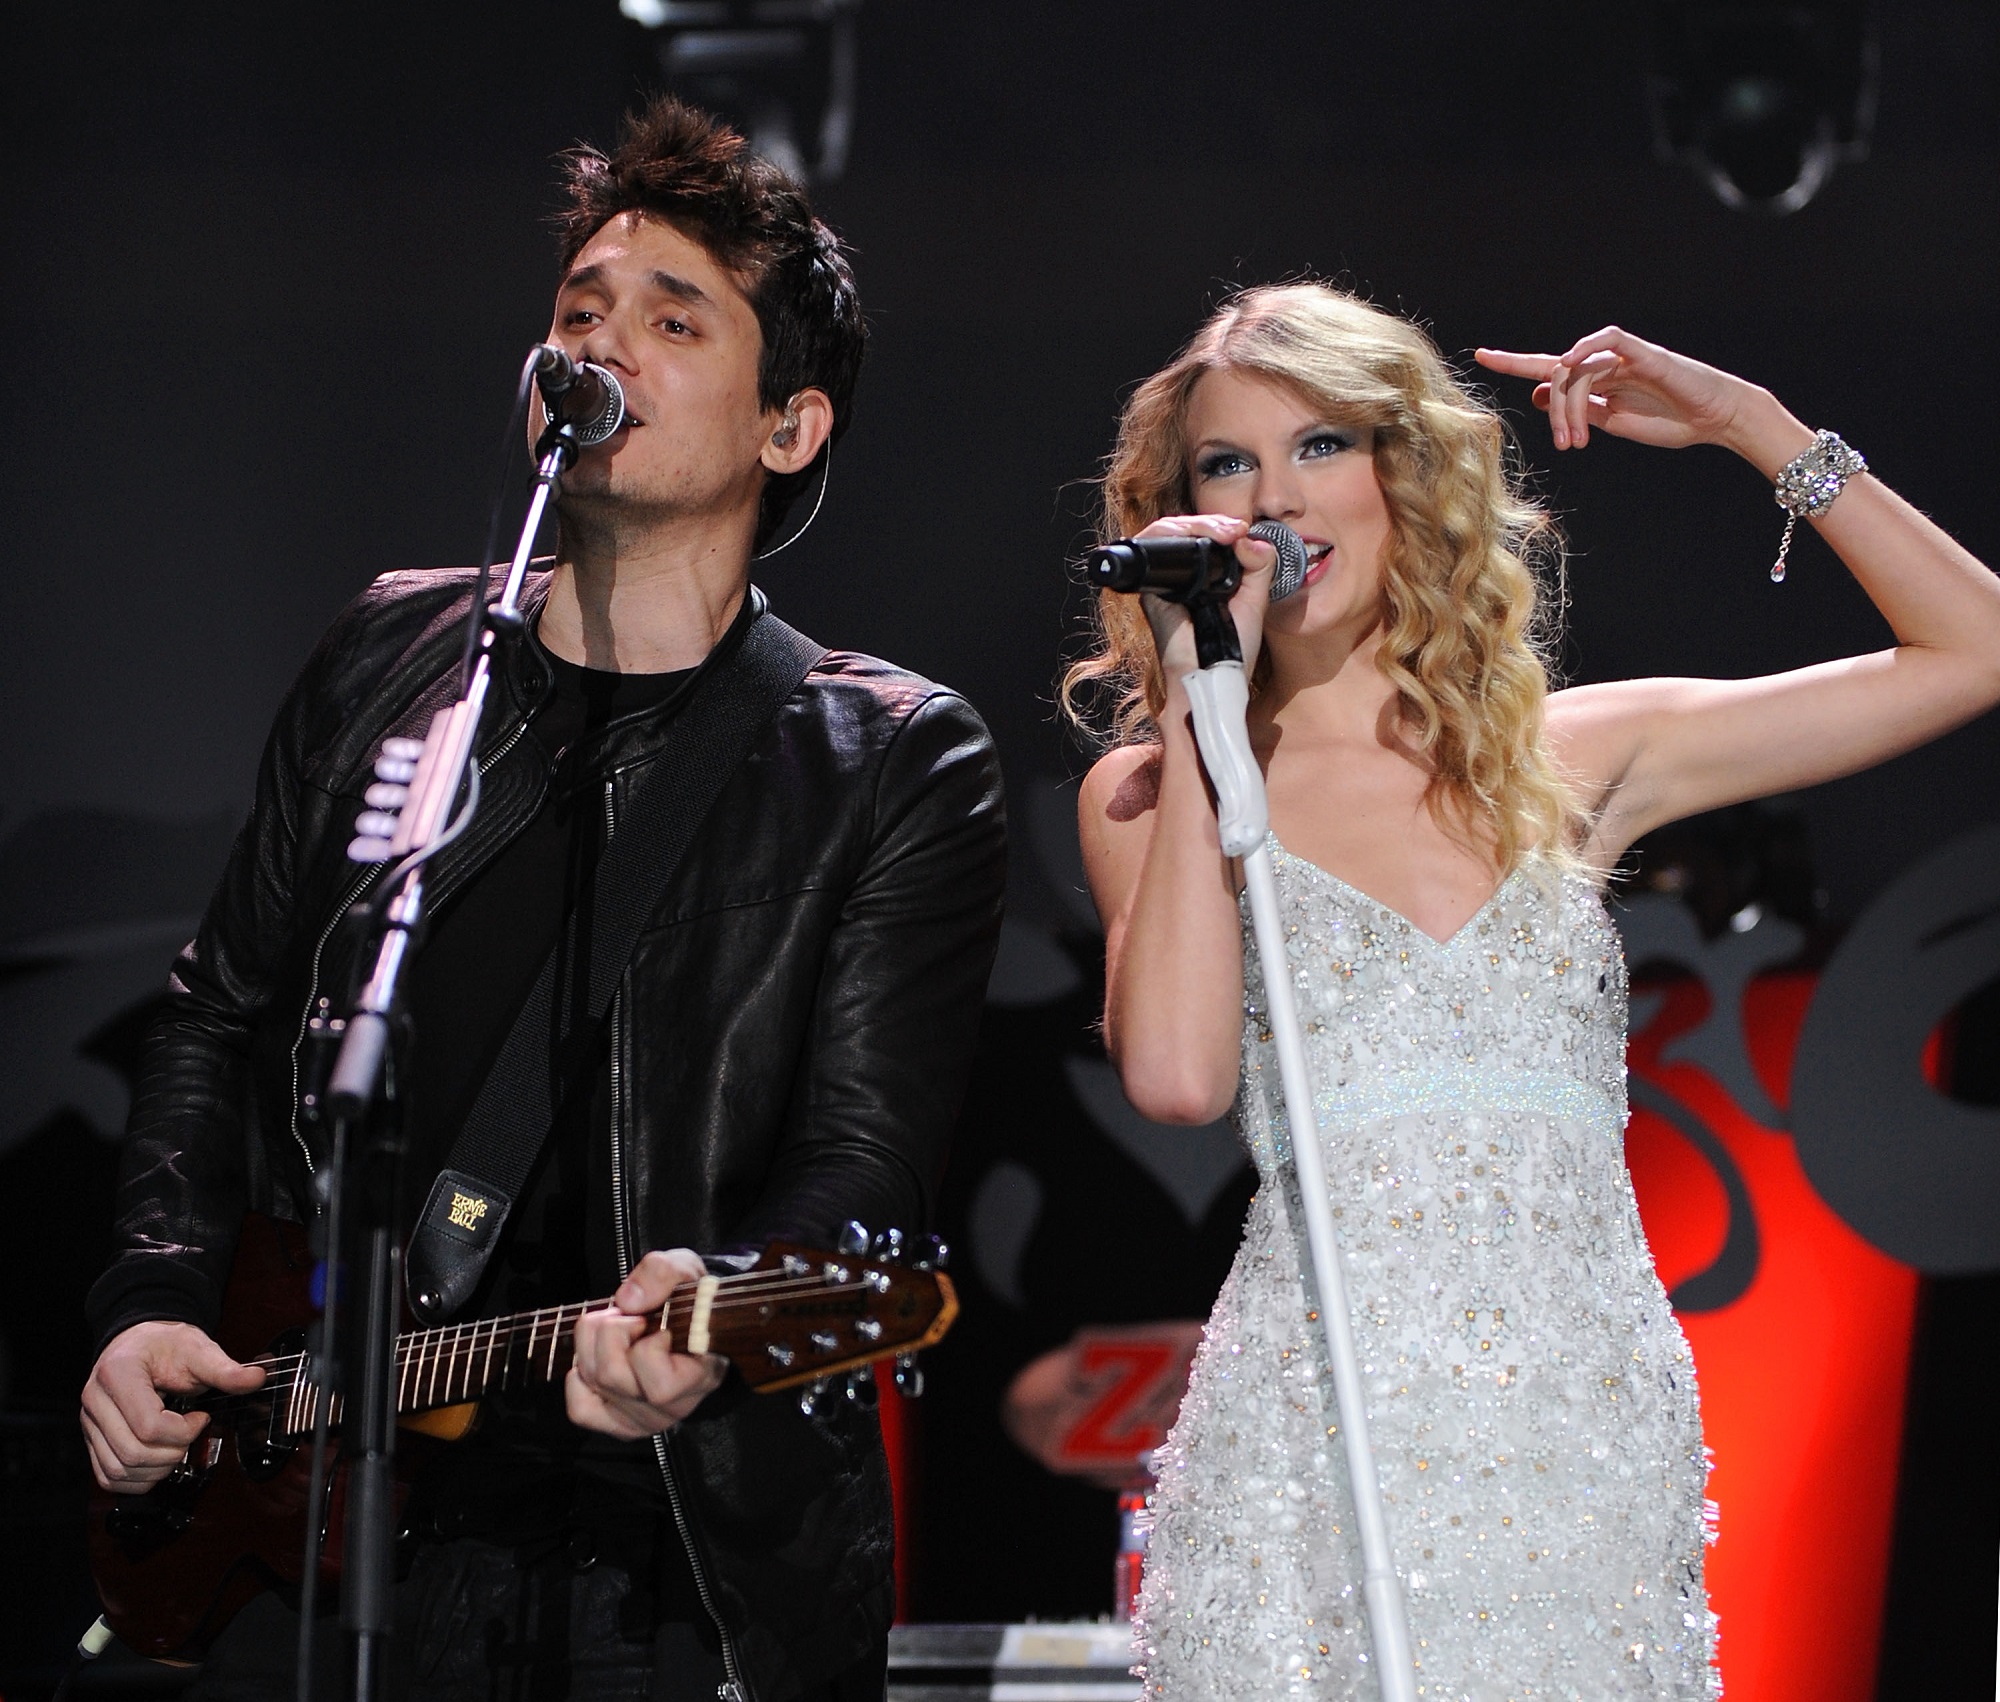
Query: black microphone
1186,570
579,394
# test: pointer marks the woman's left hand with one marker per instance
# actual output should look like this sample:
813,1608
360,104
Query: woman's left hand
1630,388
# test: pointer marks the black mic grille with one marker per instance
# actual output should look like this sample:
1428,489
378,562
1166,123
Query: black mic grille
582,394
608,414
1182,569
1291,569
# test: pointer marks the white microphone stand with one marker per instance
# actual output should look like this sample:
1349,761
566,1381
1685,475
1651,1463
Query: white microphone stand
1219,693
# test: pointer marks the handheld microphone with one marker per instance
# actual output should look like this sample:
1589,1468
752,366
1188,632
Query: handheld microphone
579,394
1188,570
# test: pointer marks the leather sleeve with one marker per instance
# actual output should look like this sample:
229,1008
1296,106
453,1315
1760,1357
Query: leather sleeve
896,1017
183,1175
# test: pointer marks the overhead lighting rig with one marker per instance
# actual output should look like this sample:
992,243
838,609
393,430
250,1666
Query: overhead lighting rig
1763,101
781,71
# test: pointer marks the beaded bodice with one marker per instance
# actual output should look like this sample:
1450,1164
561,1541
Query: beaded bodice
1524,1007
1531,1399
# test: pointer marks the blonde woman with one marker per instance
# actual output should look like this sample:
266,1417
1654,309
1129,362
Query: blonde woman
1442,822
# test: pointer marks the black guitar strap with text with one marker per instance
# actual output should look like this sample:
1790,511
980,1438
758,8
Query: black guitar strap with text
704,744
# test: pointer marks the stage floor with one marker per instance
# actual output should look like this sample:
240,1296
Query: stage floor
1054,1661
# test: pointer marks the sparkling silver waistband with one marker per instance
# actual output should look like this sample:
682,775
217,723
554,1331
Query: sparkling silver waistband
1463,1089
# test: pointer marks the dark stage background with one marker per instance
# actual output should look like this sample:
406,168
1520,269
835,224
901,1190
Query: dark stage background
272,272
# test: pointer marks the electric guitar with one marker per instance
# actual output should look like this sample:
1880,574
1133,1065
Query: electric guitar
174,1566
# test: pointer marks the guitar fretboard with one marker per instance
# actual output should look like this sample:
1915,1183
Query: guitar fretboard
453,1363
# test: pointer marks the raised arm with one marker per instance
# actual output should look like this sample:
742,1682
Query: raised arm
1654,750
1173,939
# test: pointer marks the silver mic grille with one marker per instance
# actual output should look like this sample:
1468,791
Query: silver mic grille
1291,570
610,416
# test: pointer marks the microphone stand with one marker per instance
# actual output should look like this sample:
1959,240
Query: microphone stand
366,1198
1219,693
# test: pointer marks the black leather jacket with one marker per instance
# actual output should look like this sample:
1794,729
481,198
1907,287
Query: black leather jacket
789,1045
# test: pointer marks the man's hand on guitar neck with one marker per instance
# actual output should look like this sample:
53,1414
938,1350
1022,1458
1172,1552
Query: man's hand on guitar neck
627,1380
134,1440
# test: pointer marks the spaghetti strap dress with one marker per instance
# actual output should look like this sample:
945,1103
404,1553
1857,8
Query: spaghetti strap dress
1530,1396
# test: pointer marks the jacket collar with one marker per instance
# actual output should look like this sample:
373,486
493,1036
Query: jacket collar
531,676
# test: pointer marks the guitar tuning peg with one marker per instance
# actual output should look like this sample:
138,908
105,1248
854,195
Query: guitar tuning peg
812,1394
935,1256
889,1246
861,1389
853,1241
909,1378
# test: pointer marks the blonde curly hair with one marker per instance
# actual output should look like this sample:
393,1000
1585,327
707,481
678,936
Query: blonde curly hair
1467,633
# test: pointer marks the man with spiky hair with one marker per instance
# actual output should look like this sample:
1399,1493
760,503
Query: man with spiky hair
786,1051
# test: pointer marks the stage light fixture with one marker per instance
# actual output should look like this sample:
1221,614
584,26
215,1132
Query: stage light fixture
781,71
1763,101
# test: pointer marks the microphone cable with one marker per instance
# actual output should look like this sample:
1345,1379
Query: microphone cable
510,448
88,1647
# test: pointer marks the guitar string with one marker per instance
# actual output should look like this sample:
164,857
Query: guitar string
442,1345
448,1341
300,1407
451,1338
762,1284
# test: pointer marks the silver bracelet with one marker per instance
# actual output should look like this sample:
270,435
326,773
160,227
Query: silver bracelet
1808,486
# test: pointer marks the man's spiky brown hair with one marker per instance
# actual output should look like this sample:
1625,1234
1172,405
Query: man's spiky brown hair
688,169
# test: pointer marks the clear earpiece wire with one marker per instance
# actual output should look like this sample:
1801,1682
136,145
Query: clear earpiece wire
825,473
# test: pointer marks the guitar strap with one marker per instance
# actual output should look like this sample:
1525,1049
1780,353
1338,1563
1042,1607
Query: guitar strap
740,687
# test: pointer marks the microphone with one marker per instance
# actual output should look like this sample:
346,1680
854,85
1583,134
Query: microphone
1187,570
579,394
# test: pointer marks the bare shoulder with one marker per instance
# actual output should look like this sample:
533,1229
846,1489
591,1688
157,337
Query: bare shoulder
1599,738
1583,711
1592,731
1122,785
1114,820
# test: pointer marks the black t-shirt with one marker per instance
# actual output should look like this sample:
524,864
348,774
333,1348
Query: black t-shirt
526,1470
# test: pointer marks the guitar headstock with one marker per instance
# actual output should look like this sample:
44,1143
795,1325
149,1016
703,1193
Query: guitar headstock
805,1314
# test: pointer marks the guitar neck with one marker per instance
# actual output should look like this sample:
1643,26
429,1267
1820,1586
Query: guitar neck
454,1363
451,1364
797,1316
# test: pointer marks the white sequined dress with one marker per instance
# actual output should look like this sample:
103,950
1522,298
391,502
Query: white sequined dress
1531,1398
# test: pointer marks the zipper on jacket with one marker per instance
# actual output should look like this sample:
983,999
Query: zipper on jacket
361,884
735,1690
